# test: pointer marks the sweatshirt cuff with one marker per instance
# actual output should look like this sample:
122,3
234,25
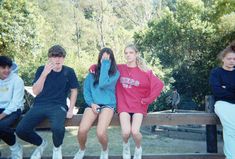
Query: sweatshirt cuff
146,101
89,103
106,62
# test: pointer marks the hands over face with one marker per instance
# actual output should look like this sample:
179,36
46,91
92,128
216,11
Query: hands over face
48,67
105,56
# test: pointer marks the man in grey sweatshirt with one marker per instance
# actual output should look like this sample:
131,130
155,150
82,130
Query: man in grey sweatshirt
11,104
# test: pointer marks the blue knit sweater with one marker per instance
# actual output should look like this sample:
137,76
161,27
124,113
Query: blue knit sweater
222,83
104,92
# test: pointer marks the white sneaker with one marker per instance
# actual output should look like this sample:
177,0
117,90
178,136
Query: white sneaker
138,153
104,154
57,153
16,151
79,154
37,154
126,153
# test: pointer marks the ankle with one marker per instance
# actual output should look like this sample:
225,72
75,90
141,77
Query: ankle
126,141
44,142
105,150
138,151
138,147
57,148
14,147
104,154
82,150
126,145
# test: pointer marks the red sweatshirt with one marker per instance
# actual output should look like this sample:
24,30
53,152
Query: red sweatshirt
136,89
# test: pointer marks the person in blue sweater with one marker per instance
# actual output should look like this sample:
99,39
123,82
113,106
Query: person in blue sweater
11,105
99,94
222,82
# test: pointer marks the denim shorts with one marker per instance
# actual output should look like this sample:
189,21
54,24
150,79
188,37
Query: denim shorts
105,106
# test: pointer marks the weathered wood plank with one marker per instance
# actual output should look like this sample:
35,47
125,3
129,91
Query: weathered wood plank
155,119
211,130
180,119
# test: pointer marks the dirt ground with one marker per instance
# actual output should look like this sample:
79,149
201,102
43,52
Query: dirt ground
153,143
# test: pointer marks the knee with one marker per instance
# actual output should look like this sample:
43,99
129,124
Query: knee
21,131
135,132
58,129
100,134
82,131
219,107
125,133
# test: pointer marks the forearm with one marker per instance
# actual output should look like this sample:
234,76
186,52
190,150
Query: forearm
39,84
87,90
109,81
73,98
2,115
104,78
222,93
155,91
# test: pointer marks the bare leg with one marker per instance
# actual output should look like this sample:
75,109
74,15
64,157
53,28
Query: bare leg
125,121
135,128
87,120
104,120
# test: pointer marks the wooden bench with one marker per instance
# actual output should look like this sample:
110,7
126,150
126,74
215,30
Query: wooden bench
207,118
159,119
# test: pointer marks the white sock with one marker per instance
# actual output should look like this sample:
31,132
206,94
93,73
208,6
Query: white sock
14,147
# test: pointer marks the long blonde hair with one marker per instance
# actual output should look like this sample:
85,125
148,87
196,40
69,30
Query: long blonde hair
139,60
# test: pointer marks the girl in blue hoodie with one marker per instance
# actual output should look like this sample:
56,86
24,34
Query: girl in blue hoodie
11,103
99,94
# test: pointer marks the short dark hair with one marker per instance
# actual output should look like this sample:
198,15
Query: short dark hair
5,61
56,51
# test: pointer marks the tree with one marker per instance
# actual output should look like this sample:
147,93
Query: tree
19,35
29,28
18,29
187,40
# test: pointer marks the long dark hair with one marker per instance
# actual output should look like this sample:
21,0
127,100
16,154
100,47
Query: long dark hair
112,69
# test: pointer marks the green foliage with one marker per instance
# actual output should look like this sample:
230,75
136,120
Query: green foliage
222,7
19,35
18,32
179,39
82,28
187,40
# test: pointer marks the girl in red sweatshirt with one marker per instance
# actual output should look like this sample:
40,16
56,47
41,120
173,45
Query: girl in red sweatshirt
137,87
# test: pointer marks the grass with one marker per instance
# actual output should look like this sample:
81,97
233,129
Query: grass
151,144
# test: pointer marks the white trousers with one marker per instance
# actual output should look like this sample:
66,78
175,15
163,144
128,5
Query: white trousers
226,114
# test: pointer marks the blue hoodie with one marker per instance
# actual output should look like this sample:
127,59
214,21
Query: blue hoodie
104,92
11,93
